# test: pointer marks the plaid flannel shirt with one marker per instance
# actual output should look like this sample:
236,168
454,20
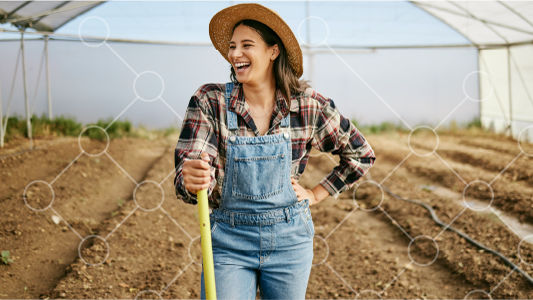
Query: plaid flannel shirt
315,122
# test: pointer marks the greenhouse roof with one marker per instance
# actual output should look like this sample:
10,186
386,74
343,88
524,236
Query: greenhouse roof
483,23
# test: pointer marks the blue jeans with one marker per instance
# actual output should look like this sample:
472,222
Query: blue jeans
272,250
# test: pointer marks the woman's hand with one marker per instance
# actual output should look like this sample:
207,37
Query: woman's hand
302,193
197,173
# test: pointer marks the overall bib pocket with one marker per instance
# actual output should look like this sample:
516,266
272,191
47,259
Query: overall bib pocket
258,177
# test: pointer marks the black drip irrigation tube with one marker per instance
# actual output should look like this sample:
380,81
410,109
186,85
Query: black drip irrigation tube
466,237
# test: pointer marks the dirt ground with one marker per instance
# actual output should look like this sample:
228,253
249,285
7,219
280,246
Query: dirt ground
109,225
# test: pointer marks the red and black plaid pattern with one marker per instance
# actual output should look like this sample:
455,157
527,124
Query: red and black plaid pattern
315,122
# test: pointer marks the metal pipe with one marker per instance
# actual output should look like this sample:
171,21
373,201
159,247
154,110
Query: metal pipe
76,38
1,120
509,80
27,105
479,90
48,88
308,39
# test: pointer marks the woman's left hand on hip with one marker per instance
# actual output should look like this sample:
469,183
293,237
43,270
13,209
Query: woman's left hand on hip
303,193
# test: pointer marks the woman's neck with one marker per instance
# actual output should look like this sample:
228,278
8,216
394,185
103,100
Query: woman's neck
260,95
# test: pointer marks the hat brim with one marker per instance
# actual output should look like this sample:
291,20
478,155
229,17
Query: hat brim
222,23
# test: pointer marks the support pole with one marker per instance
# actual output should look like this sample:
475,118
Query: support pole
480,90
27,105
48,88
308,38
510,90
2,134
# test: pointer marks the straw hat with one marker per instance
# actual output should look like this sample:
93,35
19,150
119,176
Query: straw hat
221,26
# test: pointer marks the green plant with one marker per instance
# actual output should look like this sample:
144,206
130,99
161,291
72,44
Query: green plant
42,126
114,129
170,131
379,128
475,123
6,257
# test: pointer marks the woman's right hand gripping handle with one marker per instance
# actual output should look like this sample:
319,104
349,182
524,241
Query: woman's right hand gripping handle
196,173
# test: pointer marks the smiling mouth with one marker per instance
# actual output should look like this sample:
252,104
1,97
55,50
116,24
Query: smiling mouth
242,68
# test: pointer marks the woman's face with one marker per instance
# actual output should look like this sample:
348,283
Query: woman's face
251,58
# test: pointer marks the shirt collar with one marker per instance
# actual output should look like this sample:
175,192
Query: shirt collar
236,103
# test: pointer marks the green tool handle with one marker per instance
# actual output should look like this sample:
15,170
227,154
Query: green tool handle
207,250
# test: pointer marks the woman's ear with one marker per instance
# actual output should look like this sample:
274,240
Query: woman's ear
275,52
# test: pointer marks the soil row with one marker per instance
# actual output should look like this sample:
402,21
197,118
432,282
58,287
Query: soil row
479,268
510,196
68,193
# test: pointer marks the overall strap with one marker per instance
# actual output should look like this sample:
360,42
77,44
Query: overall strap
230,116
286,121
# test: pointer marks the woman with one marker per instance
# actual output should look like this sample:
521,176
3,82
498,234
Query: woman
248,142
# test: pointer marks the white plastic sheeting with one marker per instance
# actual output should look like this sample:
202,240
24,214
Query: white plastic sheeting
506,90
43,15
486,23
503,33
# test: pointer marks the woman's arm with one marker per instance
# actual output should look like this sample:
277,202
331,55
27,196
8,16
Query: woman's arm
336,134
197,136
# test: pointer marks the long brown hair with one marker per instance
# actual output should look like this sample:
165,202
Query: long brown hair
284,76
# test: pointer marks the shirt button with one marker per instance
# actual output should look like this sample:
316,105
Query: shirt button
232,138
286,135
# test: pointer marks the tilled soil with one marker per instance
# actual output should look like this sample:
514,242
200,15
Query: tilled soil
511,193
81,189
140,241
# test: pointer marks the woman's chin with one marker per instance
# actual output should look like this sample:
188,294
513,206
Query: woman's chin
243,79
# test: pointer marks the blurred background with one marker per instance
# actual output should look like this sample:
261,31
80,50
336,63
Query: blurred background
379,61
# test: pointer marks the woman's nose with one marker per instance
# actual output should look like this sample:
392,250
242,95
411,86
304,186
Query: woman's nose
235,52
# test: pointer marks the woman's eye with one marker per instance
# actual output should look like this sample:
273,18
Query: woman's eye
247,45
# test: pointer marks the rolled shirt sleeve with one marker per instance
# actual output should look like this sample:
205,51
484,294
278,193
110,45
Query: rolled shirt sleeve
197,135
337,135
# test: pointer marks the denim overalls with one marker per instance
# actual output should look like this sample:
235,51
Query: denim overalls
261,234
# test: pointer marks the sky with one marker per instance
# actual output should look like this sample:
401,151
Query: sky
414,86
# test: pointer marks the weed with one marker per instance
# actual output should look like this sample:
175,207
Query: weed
475,123
6,257
67,126
379,128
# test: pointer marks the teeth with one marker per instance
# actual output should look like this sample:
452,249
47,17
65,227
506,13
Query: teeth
238,65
